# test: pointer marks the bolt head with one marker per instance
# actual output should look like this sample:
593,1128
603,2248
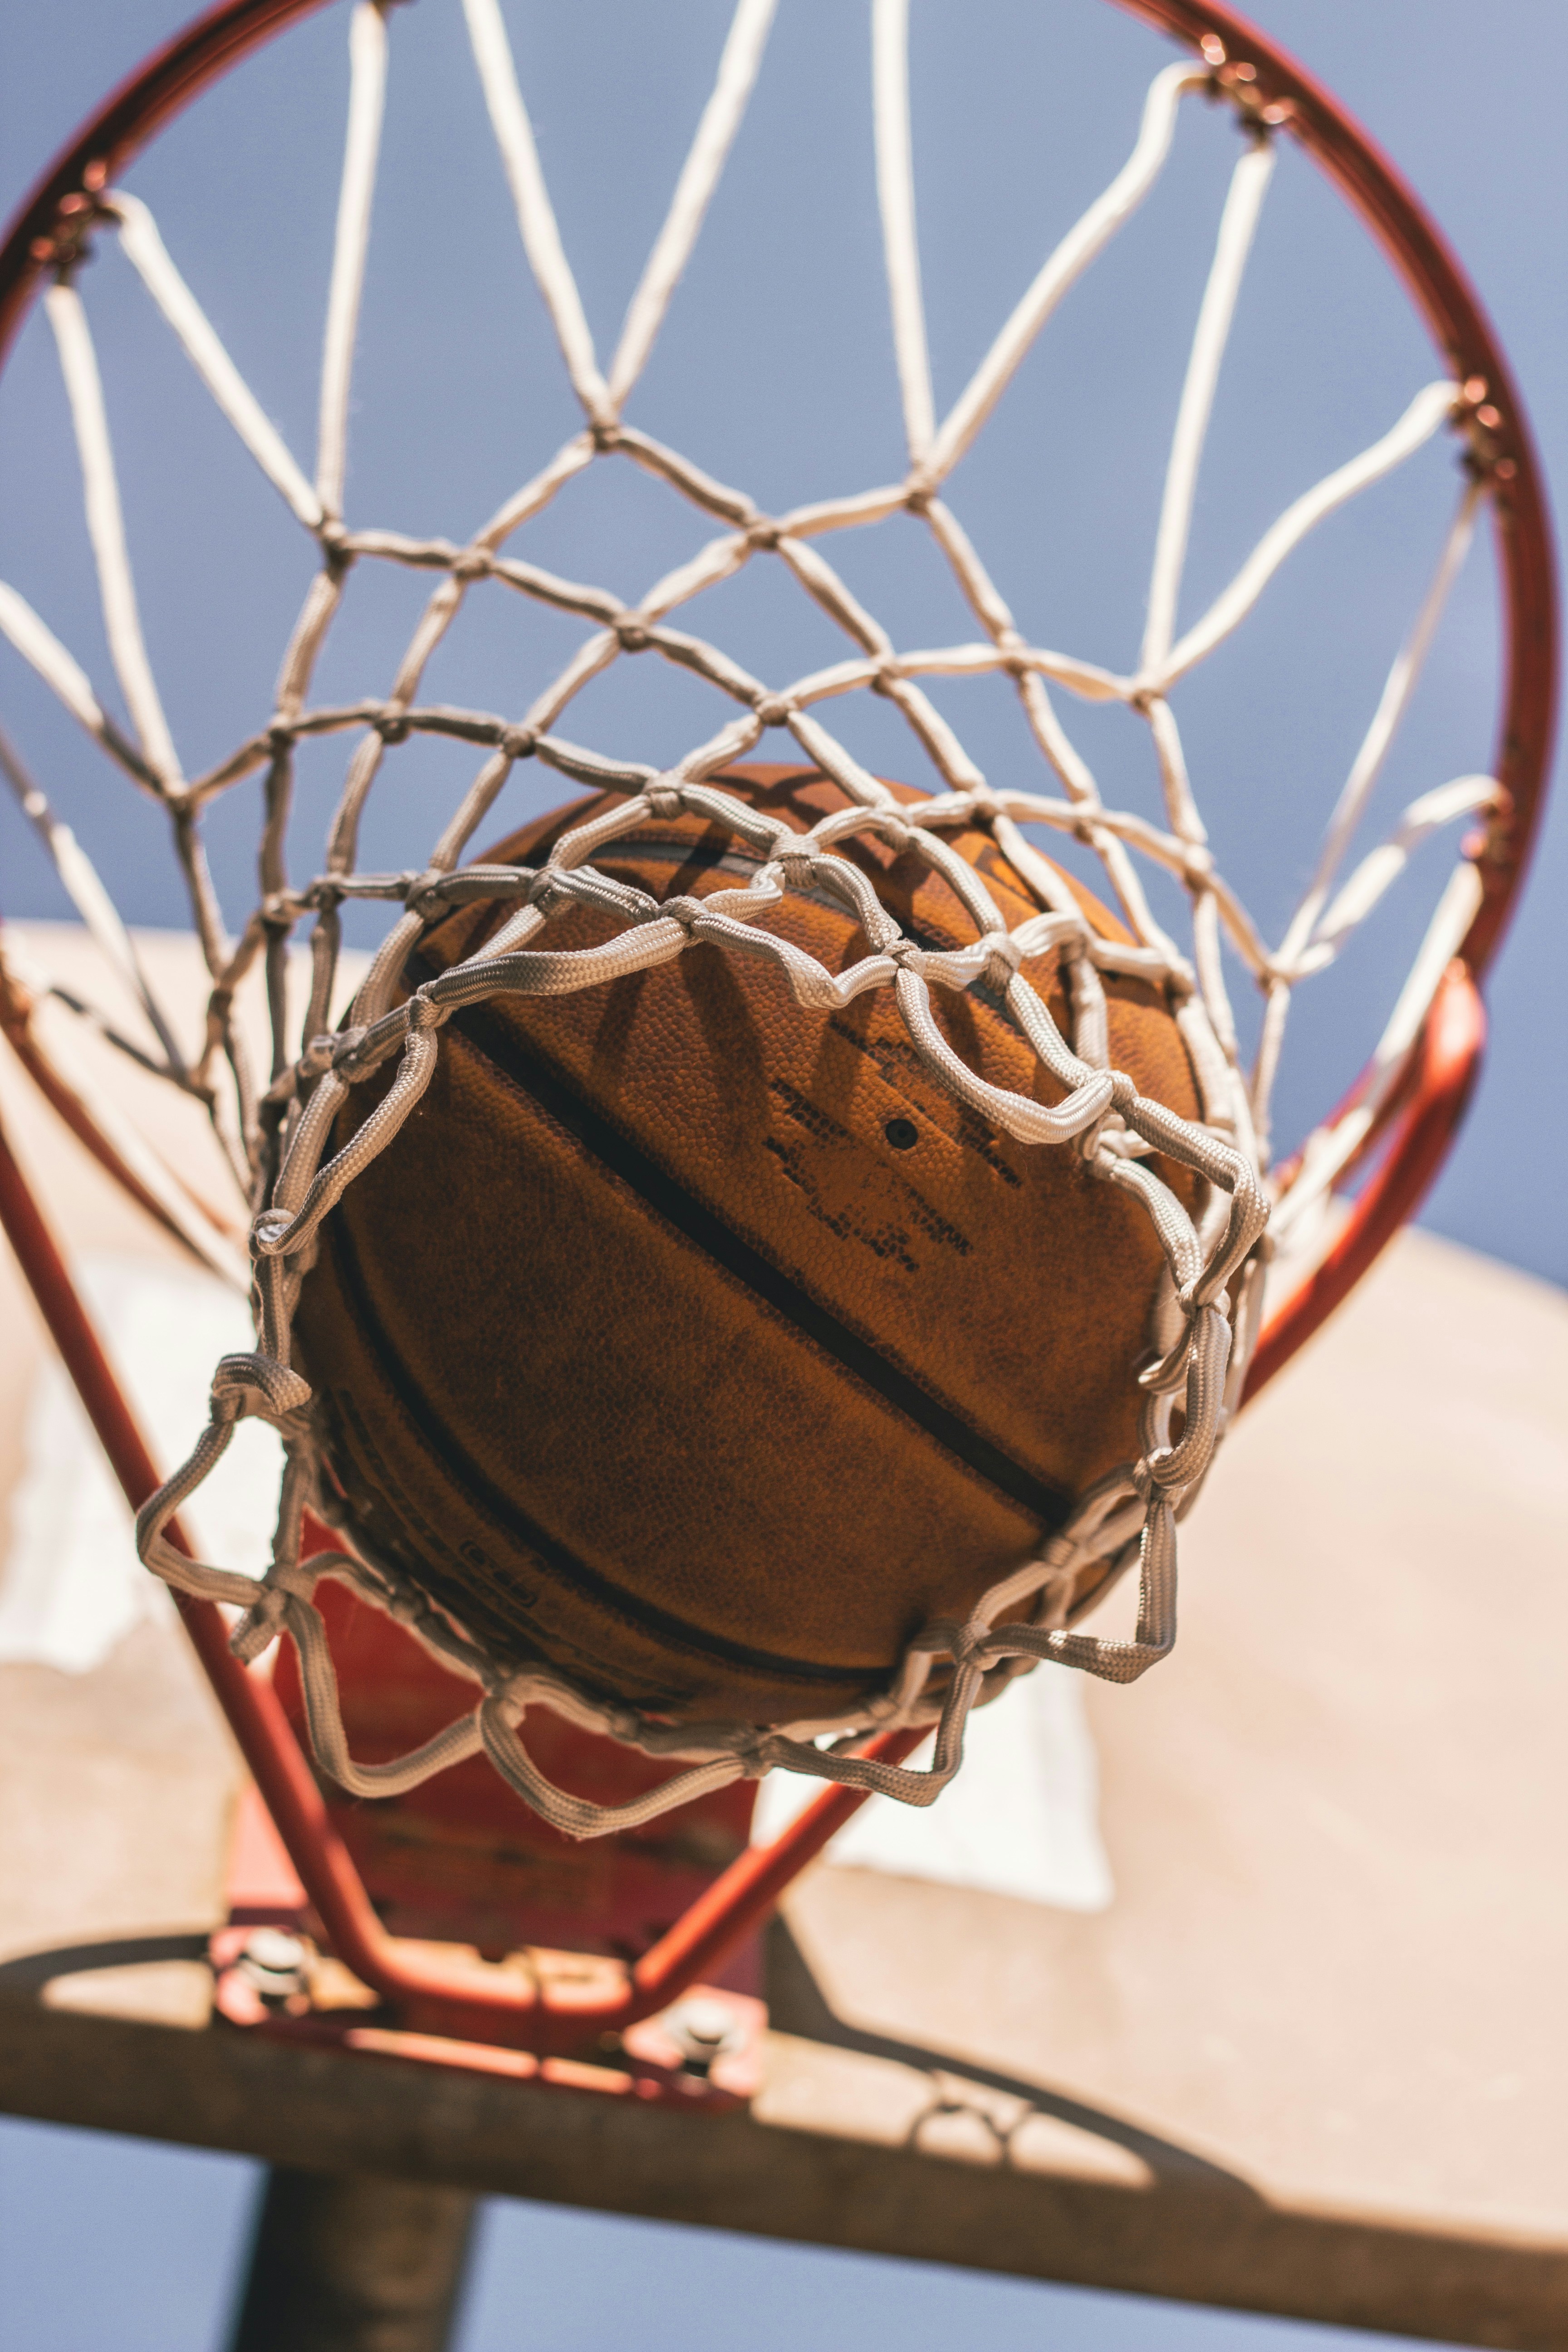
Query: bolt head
704,2027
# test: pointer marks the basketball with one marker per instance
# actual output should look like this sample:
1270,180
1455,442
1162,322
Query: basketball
701,1346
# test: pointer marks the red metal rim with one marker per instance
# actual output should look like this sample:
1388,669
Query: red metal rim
1269,78
1460,326
122,126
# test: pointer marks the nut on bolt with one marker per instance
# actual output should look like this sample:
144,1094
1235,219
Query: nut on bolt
702,2030
275,1963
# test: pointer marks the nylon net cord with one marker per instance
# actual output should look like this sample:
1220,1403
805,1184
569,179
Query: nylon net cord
276,1128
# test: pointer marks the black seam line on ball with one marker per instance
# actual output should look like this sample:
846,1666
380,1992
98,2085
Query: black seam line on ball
767,1281
644,1616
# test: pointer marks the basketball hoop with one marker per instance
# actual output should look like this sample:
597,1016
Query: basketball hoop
291,1135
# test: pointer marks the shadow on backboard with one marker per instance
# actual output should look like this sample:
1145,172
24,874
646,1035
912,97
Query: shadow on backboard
797,2005
29,1972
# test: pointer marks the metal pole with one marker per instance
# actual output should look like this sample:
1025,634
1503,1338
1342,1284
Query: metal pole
353,2265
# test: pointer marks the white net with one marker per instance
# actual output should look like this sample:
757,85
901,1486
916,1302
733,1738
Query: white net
278,1128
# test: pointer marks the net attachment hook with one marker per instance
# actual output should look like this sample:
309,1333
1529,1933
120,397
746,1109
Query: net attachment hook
64,247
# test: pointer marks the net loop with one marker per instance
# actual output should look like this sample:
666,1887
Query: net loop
576,1817
324,1724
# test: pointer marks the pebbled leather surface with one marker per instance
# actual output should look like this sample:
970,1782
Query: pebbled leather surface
648,1353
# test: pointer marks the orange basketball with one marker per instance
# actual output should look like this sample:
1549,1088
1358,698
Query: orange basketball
702,1347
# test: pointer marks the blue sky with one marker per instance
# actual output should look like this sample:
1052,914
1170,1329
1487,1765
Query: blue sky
167,2228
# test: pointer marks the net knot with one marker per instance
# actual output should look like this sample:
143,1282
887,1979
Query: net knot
346,1050
891,828
257,1384
921,486
774,710
420,892
474,563
298,1577
763,535
632,629
664,797
970,1643
1151,1476
1003,957
798,866
1197,866
422,1016
391,723
964,1644
316,1059
520,742
548,889
683,911
286,1581
267,1230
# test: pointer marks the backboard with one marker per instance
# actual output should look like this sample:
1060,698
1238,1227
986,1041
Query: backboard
1303,2059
